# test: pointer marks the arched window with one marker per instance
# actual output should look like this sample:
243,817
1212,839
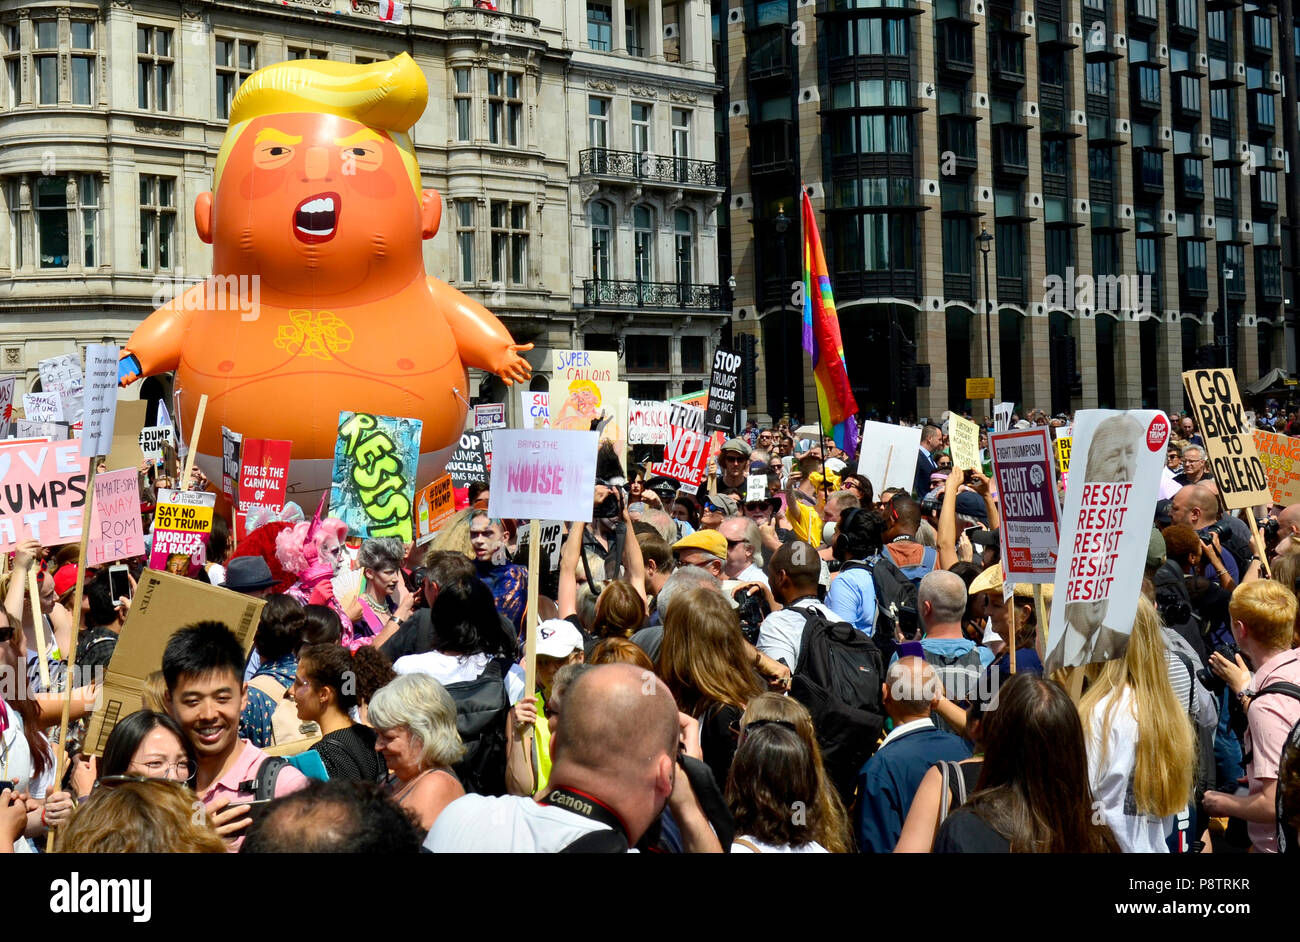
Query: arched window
643,235
684,242
601,240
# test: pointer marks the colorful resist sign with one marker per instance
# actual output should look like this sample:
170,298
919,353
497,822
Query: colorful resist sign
1105,532
42,493
115,519
1280,455
182,523
1221,418
543,475
1031,524
687,452
373,488
433,506
263,477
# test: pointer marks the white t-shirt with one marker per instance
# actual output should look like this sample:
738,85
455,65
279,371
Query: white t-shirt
506,825
781,633
812,847
456,668
1112,784
16,763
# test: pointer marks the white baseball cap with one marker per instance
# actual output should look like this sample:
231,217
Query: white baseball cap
558,638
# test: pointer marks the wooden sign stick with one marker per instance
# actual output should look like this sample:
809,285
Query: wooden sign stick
38,626
889,459
530,637
69,683
1259,543
184,483
1040,612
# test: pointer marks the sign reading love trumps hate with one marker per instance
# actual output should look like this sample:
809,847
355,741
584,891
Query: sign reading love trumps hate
543,474
375,461
1229,437
42,493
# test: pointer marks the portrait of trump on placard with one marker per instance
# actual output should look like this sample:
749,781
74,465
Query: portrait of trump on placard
1105,529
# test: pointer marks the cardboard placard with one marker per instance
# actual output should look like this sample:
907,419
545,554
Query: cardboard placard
687,454
153,438
182,524
115,531
552,536
162,604
125,452
585,388
543,475
99,399
43,407
489,417
888,455
536,408
263,477
1002,416
433,506
1280,455
964,443
1026,486
468,463
1229,439
647,422
375,462
1105,532
980,387
724,383
64,369
49,431
42,493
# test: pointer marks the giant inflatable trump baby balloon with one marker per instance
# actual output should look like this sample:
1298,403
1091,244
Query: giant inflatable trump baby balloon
316,203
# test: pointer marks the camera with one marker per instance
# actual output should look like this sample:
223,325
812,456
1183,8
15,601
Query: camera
612,505
931,506
1270,529
1211,681
1218,528
752,609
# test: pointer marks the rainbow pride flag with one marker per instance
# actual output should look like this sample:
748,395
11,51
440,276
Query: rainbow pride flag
821,340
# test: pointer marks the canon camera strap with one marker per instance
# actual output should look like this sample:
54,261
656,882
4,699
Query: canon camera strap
588,807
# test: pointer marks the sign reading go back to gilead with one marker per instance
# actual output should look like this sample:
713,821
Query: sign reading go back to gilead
1229,437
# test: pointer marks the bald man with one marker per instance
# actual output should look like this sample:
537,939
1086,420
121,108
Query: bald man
614,770
1288,528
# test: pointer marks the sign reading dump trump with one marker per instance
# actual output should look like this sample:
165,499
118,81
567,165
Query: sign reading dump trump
1106,527
1229,438
543,474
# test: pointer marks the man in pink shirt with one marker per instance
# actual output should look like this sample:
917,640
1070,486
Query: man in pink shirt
1263,619
203,666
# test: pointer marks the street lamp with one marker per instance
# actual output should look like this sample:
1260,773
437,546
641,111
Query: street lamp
985,244
1225,277
782,225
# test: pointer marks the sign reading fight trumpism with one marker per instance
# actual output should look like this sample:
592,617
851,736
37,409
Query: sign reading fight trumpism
687,452
433,506
373,486
1280,455
1106,527
543,475
42,493
263,477
115,519
1031,523
182,524
1221,418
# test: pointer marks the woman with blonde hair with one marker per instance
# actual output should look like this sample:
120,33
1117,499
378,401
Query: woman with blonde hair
1141,745
126,815
828,822
704,663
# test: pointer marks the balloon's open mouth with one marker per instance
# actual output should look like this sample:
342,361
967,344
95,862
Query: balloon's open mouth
316,219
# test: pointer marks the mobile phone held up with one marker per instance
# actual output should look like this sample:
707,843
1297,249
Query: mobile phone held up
119,583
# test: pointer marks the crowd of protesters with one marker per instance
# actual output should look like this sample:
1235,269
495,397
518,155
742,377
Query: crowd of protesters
680,701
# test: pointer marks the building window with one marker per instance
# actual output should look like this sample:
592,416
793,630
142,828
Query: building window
62,208
236,61
83,66
872,241
13,67
1059,251
601,237
684,243
302,53
47,66
1097,78
505,108
868,36
599,26
1191,264
692,354
154,66
157,222
642,140
635,47
1216,25
1266,180
1219,104
461,79
681,133
1105,252
958,246
597,122
465,239
643,241
871,133
17,224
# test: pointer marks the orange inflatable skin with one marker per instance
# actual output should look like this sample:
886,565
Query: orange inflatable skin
319,212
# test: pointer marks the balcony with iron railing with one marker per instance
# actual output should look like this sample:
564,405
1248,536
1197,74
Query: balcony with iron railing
654,295
626,165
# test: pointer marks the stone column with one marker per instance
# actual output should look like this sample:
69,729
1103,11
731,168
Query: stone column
1036,355
1084,330
1128,362
618,31
1169,362
932,348
655,41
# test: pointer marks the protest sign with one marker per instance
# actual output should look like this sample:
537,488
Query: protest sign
153,438
230,442
125,452
1105,532
162,603
375,462
536,408
7,399
1280,455
723,386
585,388
552,533
487,418
433,505
182,523
99,399
72,396
263,478
1026,484
50,431
42,493
1062,446
755,487
1002,416
647,422
115,518
687,453
468,462
543,475
62,369
1221,418
888,455
980,387
43,407
964,442
701,401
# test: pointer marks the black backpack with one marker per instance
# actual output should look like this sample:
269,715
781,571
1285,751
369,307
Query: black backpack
838,677
481,708
960,675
